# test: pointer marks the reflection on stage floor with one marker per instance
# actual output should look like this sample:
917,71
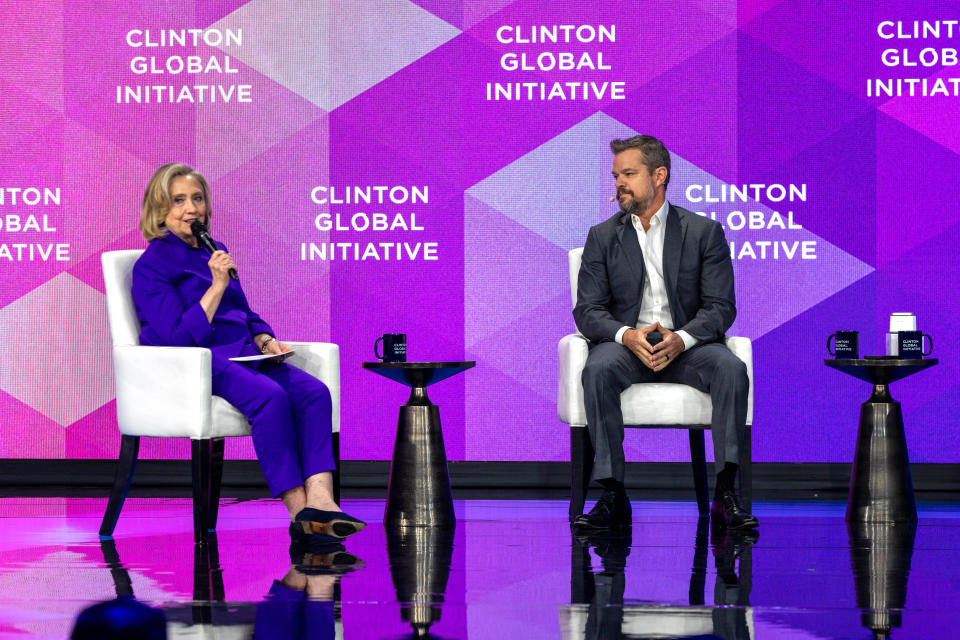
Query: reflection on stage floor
509,568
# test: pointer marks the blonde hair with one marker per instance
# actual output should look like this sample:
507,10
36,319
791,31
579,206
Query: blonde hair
156,199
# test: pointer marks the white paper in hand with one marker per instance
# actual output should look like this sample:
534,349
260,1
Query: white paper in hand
265,356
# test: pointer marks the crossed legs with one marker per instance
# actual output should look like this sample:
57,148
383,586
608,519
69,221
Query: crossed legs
316,492
290,414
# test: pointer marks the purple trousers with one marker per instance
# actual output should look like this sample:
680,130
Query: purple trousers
290,415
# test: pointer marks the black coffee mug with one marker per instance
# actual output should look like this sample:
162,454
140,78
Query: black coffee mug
394,347
910,345
846,345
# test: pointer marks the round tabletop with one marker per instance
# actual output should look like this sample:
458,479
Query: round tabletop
418,374
881,369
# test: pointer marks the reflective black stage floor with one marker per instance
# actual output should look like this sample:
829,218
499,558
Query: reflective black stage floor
510,569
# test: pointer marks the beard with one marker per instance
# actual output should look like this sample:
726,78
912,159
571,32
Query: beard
633,206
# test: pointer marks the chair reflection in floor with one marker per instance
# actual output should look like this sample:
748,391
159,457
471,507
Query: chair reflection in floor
598,611
880,555
420,560
302,604
207,615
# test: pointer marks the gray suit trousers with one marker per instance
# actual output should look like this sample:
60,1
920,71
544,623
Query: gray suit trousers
711,368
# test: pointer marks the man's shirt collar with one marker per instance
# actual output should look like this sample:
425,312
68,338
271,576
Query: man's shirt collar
660,215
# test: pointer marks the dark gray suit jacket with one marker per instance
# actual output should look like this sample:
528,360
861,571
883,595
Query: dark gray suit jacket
696,267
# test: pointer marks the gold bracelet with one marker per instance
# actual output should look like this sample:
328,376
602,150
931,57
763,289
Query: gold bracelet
266,342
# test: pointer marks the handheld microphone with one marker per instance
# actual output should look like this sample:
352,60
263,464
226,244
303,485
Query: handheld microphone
200,232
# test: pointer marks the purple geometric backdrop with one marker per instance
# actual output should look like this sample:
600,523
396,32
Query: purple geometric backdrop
401,93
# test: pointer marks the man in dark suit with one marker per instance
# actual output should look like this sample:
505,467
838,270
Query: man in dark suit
655,297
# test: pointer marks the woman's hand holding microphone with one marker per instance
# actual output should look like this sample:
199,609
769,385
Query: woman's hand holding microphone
220,264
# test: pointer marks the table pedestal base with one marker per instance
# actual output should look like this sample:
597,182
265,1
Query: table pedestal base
420,565
419,490
880,556
881,489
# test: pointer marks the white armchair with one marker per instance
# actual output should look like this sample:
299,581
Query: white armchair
149,378
648,405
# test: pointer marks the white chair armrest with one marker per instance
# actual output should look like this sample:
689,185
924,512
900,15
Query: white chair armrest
743,349
322,361
160,389
572,352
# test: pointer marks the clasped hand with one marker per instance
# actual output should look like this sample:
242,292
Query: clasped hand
658,356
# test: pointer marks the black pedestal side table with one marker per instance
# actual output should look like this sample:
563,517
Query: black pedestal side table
881,489
419,493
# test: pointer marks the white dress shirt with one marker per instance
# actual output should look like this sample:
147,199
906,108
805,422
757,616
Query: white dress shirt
654,306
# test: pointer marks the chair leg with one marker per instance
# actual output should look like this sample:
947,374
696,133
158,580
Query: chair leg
204,568
698,576
698,460
216,479
201,467
127,462
336,472
122,583
207,574
746,577
581,467
582,584
746,472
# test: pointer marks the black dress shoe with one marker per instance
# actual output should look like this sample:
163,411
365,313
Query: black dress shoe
300,534
732,543
613,546
727,511
728,546
323,559
611,511
319,526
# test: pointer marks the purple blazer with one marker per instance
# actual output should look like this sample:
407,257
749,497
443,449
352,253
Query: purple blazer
168,281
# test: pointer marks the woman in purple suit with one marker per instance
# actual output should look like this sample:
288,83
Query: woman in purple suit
186,298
